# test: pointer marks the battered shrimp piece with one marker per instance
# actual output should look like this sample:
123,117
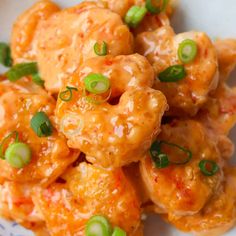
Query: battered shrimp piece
175,188
68,37
219,113
189,94
23,32
16,204
226,51
50,155
152,22
118,134
218,216
85,191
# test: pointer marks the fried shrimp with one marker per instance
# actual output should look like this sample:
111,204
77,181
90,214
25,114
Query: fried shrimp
219,113
67,206
218,216
175,188
226,51
77,30
113,135
189,94
23,33
16,204
50,155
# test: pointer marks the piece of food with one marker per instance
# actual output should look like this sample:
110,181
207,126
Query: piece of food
187,95
219,214
226,52
175,188
86,191
117,127
76,32
23,40
49,156
16,204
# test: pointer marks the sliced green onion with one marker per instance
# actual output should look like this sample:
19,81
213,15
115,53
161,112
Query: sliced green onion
37,79
18,155
187,51
100,50
41,125
5,140
160,6
67,94
172,74
118,232
160,160
5,55
98,226
208,167
96,99
135,15
20,70
96,83
183,159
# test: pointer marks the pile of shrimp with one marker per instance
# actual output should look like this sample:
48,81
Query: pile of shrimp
97,161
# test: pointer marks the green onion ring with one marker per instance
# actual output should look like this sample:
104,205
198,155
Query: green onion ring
208,167
173,74
135,15
100,50
18,155
66,95
98,226
94,100
187,51
96,83
181,162
162,160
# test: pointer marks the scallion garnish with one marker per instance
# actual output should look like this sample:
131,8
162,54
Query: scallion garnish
20,70
118,232
36,78
158,7
67,94
172,74
10,135
5,55
41,125
187,51
100,50
135,15
18,155
161,159
96,99
96,83
208,167
98,226
182,159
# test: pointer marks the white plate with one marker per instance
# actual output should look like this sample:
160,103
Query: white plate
216,17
